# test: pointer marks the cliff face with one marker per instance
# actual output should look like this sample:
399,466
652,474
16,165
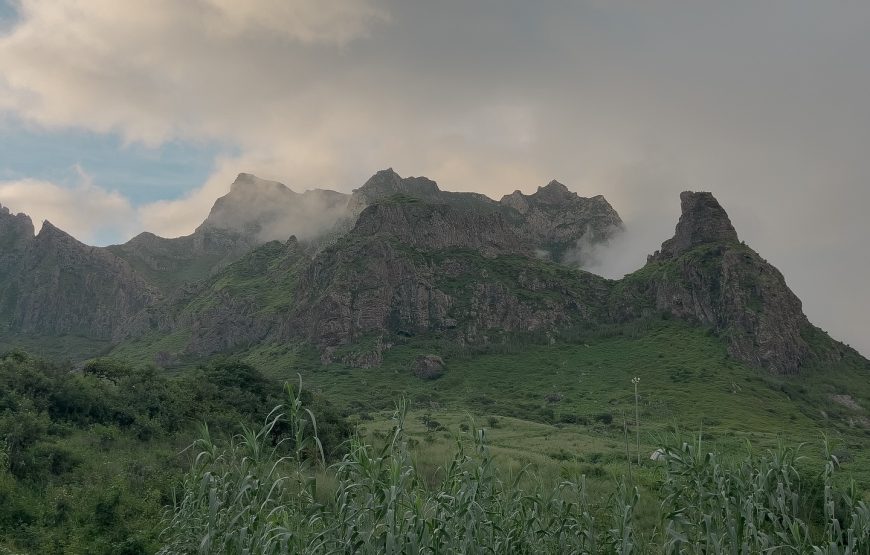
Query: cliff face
410,260
702,221
65,287
705,274
414,268
440,226
254,212
556,219
552,220
16,233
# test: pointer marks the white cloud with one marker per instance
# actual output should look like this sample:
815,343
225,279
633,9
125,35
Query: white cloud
85,211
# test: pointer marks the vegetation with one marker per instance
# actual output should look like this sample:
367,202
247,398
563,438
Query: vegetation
246,498
97,459
89,458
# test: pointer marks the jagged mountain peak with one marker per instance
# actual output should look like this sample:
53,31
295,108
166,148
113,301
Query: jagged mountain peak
553,192
247,181
702,221
387,182
263,210
12,225
49,230
440,226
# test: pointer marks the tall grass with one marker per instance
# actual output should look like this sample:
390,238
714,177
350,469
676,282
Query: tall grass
258,494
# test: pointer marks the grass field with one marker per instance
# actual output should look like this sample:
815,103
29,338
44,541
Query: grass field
568,404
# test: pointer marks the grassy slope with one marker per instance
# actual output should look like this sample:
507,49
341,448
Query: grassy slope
687,384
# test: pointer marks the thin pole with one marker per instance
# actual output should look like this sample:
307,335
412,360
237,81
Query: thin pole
627,454
635,381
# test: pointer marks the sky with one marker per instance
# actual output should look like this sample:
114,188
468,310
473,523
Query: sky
117,117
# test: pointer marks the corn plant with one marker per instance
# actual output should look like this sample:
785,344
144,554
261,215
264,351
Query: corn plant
259,494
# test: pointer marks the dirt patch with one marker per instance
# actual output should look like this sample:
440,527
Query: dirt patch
846,401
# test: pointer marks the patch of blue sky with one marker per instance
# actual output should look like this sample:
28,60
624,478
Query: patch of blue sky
142,174
8,14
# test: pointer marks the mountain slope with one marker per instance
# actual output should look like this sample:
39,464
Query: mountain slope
55,285
705,275
411,268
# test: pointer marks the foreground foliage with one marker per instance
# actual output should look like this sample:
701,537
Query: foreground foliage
89,456
248,498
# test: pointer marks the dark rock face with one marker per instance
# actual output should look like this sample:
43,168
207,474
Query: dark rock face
556,219
16,234
702,221
704,274
439,226
66,287
428,367
471,277
553,219
238,306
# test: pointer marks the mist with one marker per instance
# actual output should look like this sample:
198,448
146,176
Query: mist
271,211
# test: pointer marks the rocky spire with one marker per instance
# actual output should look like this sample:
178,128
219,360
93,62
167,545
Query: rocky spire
703,220
387,182
15,229
553,193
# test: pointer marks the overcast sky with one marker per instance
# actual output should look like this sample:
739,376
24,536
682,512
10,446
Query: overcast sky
121,116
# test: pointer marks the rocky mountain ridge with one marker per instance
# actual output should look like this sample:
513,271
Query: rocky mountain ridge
414,261
53,284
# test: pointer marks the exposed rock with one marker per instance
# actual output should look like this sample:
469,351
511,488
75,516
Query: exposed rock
703,274
16,234
236,307
264,210
440,226
553,219
414,268
428,367
66,287
556,219
702,221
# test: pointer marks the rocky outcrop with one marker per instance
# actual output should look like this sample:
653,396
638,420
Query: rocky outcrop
553,220
238,306
558,220
65,287
387,183
703,274
428,367
440,226
263,210
412,268
16,234
702,221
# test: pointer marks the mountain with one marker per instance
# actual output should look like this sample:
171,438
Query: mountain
704,274
54,285
254,212
397,258
553,219
558,219
411,268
